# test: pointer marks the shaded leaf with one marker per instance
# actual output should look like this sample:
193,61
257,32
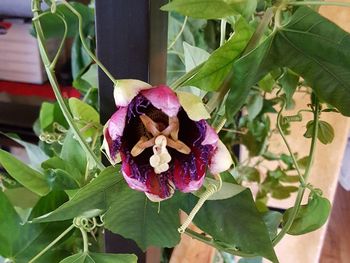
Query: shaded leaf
235,222
89,257
89,201
134,216
272,220
31,179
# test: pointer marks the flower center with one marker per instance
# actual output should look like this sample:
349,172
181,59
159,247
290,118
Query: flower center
159,141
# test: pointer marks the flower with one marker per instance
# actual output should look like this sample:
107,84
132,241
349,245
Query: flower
162,140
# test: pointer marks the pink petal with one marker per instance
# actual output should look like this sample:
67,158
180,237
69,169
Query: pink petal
187,180
107,145
155,188
116,123
221,159
211,137
127,89
163,98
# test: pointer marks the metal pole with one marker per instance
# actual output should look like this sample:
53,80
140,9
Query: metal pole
132,43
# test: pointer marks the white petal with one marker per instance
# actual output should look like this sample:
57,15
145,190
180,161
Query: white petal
221,160
127,89
193,106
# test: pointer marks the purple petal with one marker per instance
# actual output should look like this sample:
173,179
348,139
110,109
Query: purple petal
163,98
189,172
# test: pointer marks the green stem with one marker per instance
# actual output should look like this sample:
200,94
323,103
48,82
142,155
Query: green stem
301,190
179,34
211,242
296,165
82,38
53,81
42,252
85,240
345,4
222,32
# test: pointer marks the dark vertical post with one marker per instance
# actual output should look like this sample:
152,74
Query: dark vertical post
131,42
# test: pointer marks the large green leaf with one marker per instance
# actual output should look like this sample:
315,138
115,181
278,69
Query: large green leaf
89,257
219,64
311,46
310,217
234,222
90,200
207,9
25,175
9,222
134,216
21,242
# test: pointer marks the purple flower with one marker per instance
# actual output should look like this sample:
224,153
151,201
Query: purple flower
162,140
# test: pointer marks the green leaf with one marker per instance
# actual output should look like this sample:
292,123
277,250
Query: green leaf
46,115
89,257
289,82
31,179
85,115
24,241
227,190
21,197
73,153
91,76
249,173
194,56
325,131
91,200
310,217
129,212
9,222
244,7
267,83
35,154
254,106
235,222
326,72
55,164
212,74
208,9
134,216
272,220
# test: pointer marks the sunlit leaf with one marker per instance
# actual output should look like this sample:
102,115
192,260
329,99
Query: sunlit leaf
310,217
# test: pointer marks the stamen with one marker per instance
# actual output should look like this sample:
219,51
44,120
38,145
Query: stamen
150,125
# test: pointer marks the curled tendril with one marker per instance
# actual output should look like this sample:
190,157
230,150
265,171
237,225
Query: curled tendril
58,135
211,189
88,224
